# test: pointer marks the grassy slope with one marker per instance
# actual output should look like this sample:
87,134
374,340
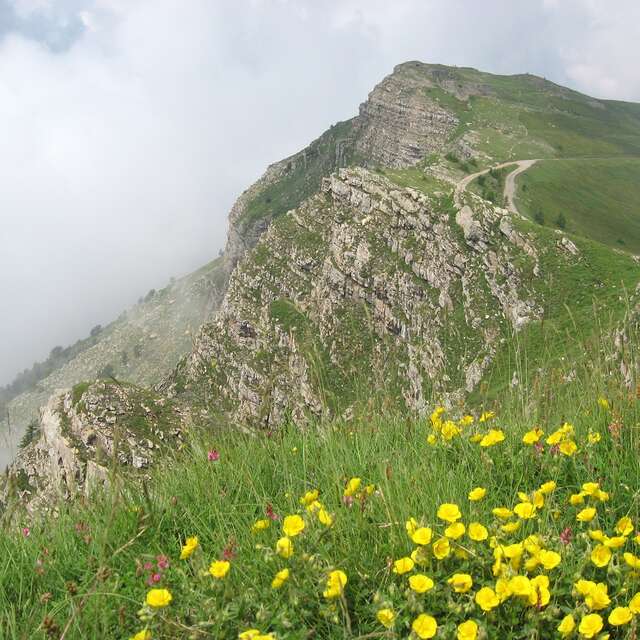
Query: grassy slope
600,198
84,572
304,176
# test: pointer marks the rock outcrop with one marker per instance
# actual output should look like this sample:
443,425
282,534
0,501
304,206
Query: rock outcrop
399,124
365,284
88,433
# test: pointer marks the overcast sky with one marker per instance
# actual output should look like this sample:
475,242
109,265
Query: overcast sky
128,127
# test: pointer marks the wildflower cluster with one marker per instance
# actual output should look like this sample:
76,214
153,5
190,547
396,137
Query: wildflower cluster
551,559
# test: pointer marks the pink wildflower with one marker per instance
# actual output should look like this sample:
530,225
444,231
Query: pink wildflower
213,455
270,512
566,536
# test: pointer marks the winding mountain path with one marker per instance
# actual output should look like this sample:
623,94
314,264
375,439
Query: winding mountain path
509,186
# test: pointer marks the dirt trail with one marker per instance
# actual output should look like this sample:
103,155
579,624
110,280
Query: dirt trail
509,186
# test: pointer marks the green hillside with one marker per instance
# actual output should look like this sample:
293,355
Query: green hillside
599,198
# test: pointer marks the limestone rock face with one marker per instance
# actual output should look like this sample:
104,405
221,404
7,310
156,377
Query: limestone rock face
365,286
399,124
86,433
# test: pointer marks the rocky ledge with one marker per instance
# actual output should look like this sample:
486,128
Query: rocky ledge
86,434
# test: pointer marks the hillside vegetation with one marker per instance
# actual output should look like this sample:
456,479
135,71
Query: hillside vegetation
517,522
598,198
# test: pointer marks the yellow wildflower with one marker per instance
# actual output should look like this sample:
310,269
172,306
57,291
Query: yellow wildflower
260,525
420,583
284,547
620,616
487,415
441,548
549,559
292,525
533,436
586,515
280,578
568,447
461,582
591,488
487,599
325,517
503,590
190,545
411,525
502,512
450,430
455,530
615,542
584,587
632,560
524,510
158,598
424,626
604,403
352,487
477,494
335,584
624,526
566,627
386,617
436,415
449,512
555,438
520,586
422,535
598,598
403,565
548,487
477,532
576,499
590,625
540,594
601,555
634,603
492,437
594,437
309,497
467,631
511,527
145,634
431,439
219,568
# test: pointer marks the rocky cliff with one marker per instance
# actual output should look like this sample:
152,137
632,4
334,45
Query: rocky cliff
367,287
